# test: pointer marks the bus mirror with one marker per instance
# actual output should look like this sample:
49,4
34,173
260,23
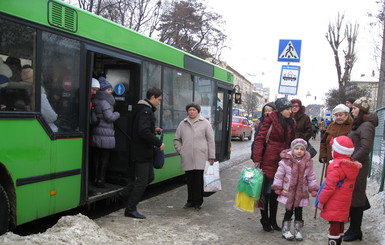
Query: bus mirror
238,98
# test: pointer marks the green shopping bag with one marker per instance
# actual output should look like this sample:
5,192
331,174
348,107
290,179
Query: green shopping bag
250,182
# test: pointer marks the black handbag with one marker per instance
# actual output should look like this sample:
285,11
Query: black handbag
158,156
94,120
311,150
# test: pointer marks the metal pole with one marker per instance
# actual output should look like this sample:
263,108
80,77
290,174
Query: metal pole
320,183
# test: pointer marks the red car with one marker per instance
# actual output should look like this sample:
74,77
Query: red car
241,128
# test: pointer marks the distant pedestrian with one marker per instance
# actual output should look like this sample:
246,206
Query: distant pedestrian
303,128
349,103
194,141
314,128
143,141
293,181
278,130
336,196
322,127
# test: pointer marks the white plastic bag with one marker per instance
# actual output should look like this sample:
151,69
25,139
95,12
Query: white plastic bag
211,178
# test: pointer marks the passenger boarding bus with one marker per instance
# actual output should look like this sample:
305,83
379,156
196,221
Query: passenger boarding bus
49,52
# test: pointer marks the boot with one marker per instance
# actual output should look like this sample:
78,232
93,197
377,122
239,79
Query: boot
265,221
334,240
286,230
298,224
265,215
273,211
354,232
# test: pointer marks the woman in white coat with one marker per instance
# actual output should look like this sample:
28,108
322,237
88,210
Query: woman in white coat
194,141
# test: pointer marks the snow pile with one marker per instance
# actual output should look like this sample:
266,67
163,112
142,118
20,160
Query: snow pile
374,218
77,229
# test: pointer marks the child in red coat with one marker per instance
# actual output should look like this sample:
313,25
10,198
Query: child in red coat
336,195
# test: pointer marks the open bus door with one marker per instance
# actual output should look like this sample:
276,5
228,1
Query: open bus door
222,124
123,73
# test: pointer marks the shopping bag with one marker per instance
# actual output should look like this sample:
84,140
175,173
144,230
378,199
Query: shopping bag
211,178
244,202
250,182
158,156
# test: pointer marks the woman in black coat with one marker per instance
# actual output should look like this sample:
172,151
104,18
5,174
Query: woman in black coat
362,135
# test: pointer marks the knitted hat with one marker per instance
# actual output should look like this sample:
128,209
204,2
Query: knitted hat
362,103
195,105
296,101
27,75
340,108
282,104
298,142
95,83
342,145
104,84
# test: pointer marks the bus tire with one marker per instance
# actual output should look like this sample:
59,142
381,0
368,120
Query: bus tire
4,211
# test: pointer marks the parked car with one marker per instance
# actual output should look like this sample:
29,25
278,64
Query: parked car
241,128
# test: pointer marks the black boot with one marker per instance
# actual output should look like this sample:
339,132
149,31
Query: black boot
265,217
354,232
334,240
101,181
273,211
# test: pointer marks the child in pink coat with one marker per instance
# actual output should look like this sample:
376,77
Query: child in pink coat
294,180
336,195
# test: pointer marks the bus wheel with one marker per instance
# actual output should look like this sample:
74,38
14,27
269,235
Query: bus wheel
4,211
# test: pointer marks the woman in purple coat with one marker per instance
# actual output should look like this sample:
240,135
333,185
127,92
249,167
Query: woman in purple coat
278,127
103,135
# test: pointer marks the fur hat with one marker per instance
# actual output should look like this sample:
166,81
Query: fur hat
27,75
362,103
340,108
296,101
282,104
342,145
95,83
104,84
298,142
5,74
195,105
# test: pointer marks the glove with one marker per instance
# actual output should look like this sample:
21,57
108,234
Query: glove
320,206
278,192
313,193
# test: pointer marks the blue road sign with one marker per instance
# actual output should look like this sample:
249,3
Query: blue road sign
289,80
289,50
119,89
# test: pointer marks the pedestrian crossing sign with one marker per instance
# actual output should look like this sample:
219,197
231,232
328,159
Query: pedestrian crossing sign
289,50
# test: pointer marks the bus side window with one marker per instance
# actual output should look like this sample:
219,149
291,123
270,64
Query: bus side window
16,51
60,79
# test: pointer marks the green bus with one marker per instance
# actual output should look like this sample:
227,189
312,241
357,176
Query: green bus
49,52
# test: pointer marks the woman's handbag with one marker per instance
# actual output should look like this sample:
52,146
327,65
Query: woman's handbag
311,150
211,177
158,156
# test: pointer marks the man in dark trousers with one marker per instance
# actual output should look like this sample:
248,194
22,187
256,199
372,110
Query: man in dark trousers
143,142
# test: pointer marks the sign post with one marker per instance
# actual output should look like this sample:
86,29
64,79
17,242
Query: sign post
289,80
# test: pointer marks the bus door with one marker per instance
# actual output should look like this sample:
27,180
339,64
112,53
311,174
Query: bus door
222,124
123,72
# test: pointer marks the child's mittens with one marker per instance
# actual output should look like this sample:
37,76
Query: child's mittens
278,192
313,193
320,206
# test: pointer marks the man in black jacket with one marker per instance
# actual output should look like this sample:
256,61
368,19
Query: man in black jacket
143,142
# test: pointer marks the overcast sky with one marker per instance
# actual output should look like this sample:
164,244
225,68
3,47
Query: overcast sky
255,27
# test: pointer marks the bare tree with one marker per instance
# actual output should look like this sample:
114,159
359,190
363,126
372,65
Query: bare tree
334,38
189,26
140,15
381,85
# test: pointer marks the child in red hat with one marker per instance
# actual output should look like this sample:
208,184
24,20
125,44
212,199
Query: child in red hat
336,195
